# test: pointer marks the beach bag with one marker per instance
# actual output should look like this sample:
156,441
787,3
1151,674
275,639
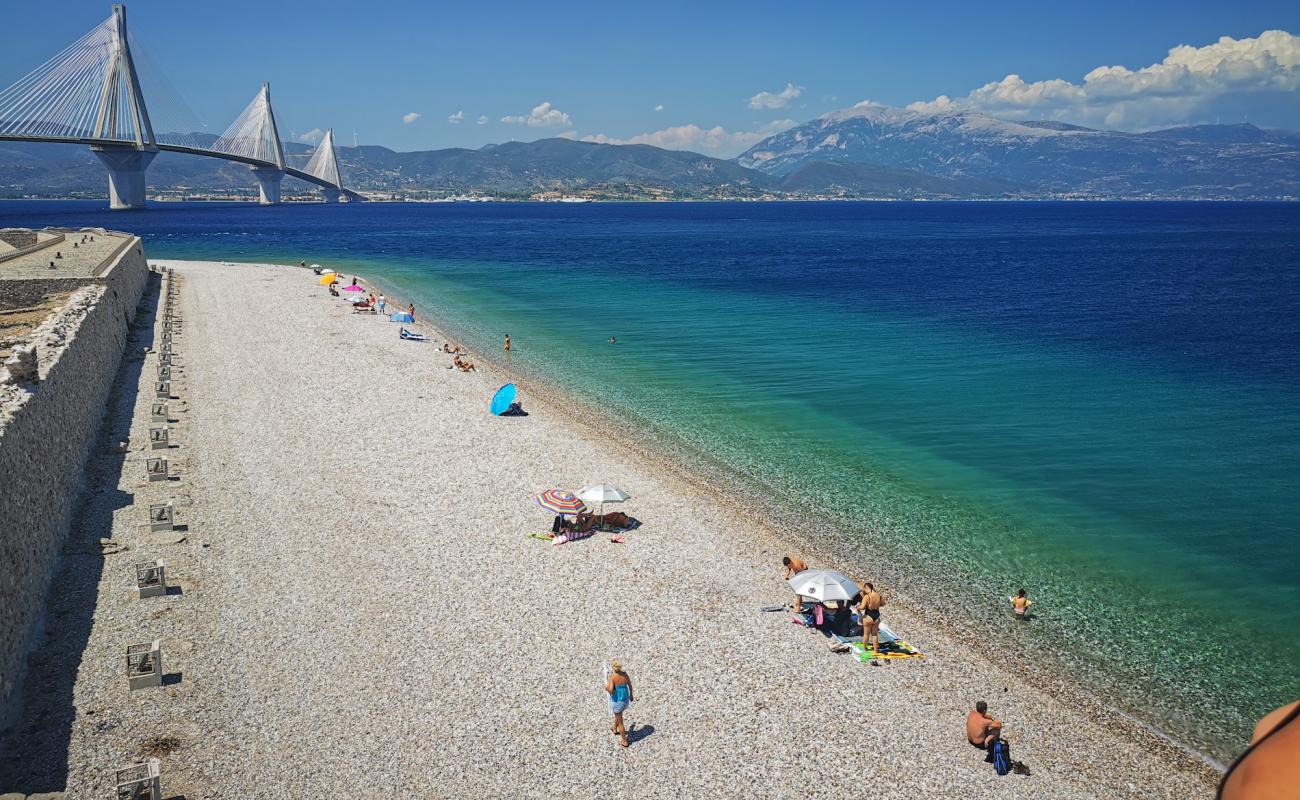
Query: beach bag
1001,757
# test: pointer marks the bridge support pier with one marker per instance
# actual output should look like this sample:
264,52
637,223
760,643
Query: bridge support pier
268,185
330,195
126,166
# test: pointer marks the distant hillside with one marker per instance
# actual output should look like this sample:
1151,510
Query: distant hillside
869,151
1044,157
513,169
842,179
557,165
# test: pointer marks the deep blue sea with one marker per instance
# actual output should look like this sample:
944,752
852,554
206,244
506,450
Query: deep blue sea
1097,401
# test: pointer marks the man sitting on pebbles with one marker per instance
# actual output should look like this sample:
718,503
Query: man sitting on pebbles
981,729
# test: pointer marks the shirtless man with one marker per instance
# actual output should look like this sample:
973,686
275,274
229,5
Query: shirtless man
870,611
981,729
793,566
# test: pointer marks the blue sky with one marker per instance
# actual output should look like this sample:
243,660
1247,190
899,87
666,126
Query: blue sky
685,74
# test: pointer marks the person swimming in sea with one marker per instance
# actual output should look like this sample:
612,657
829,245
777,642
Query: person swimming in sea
612,340
1020,605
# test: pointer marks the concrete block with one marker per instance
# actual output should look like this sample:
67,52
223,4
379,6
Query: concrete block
162,517
144,665
139,781
151,579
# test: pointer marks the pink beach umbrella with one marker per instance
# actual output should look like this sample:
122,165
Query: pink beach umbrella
353,288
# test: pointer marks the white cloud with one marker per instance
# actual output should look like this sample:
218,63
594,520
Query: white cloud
779,99
312,136
542,116
411,117
455,119
1230,78
659,107
482,120
715,141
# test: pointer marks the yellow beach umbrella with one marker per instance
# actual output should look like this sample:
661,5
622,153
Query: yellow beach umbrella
327,279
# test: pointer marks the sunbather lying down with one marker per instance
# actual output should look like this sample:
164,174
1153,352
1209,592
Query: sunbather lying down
463,365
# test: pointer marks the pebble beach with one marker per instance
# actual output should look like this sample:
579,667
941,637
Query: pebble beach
361,611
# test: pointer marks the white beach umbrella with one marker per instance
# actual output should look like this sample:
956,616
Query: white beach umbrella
823,585
602,493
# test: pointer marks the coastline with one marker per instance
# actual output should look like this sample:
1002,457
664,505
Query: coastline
831,544
785,531
339,512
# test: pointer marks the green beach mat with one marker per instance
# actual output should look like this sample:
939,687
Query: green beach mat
892,647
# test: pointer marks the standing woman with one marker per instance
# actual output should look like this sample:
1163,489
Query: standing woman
870,610
619,688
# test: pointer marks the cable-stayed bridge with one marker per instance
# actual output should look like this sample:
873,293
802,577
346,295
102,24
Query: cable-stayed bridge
90,94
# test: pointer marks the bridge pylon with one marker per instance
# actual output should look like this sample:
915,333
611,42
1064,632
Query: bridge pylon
324,164
268,178
126,163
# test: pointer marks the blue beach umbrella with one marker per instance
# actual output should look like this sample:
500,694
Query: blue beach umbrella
502,399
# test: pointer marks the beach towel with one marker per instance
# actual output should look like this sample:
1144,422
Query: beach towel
891,647
413,337
571,536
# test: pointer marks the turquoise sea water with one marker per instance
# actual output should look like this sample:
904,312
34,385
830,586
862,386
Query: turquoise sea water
1095,401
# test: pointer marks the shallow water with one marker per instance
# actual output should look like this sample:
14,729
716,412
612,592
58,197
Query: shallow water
1096,401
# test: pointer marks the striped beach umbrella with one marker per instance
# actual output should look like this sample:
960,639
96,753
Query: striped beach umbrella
561,502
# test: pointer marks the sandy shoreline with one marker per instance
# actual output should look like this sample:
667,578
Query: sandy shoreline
363,613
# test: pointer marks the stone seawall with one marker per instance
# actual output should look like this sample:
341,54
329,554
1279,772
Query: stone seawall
47,429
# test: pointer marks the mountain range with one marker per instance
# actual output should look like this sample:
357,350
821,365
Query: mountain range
1039,157
868,151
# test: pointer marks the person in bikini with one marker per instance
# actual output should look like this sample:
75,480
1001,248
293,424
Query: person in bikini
1020,605
619,688
870,611
981,729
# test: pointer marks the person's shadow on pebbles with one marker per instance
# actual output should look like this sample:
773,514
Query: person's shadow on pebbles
636,733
